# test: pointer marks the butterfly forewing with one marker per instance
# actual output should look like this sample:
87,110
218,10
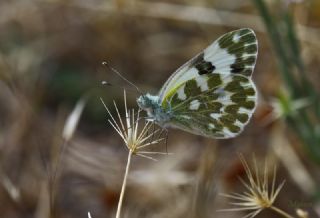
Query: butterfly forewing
232,53
217,105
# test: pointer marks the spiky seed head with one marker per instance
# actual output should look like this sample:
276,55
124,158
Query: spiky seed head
135,137
258,194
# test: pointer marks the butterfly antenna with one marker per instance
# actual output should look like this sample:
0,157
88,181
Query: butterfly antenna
106,83
121,76
153,131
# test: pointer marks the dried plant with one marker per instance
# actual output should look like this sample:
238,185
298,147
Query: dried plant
89,215
258,195
136,139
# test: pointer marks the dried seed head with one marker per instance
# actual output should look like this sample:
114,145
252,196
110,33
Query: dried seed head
135,136
258,194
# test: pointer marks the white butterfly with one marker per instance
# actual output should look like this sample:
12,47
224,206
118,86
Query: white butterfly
212,94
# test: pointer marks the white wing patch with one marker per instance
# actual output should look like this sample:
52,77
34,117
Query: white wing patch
202,83
236,38
181,94
194,105
215,115
228,133
221,58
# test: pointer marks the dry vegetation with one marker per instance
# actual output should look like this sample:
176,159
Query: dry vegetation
62,160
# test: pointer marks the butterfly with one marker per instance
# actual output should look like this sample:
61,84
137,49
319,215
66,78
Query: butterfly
212,94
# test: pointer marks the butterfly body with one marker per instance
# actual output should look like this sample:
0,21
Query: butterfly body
152,105
212,94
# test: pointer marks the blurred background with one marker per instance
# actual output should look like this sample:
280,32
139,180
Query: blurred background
50,60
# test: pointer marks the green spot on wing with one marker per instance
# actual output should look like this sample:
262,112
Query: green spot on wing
215,107
175,100
227,119
218,126
251,49
232,109
191,89
214,80
226,40
248,37
243,118
238,97
247,72
234,86
248,104
234,128
244,31
250,91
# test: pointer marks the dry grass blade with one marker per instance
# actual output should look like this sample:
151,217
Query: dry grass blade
89,215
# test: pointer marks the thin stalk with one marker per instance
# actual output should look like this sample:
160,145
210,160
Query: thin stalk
54,174
294,47
124,184
278,46
281,212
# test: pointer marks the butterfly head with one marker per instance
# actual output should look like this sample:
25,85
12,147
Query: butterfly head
149,103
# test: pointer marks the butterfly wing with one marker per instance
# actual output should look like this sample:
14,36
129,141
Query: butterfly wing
213,94
214,105
233,53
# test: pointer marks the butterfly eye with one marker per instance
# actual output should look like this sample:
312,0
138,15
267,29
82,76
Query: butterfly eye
143,102
140,101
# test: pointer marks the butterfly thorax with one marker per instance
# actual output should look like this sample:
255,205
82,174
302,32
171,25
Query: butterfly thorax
152,105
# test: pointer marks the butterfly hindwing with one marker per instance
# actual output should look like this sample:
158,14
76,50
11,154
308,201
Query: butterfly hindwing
214,105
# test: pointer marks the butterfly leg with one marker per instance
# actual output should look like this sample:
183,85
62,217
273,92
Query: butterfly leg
166,135
166,139
153,131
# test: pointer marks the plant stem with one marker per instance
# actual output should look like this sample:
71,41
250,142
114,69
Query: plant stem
54,175
281,212
124,185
